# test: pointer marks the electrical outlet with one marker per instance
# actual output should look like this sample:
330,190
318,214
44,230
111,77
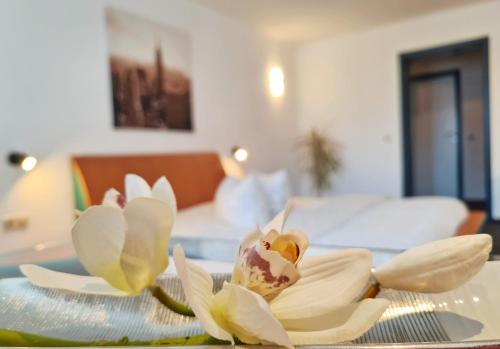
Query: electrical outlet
15,223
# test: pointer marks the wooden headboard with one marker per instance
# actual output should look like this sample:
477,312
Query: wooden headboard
194,176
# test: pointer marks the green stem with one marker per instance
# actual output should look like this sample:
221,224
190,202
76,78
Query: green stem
11,338
169,302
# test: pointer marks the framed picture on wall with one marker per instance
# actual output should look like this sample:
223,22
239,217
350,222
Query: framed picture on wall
150,73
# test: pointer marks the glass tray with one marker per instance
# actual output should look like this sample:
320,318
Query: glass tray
410,321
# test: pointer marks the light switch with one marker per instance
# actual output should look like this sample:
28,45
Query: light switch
387,138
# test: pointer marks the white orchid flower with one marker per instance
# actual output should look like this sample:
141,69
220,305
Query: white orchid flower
137,187
122,243
320,308
437,266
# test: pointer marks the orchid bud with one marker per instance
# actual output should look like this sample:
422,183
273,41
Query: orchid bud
437,266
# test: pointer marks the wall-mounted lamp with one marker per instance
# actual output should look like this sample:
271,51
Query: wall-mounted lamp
25,161
276,82
239,154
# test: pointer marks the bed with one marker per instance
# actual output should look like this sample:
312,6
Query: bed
375,222
346,221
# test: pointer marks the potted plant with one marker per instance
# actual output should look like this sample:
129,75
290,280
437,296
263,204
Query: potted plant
322,159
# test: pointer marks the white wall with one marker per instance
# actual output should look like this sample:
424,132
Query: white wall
55,99
350,85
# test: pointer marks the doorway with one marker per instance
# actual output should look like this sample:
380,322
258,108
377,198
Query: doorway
435,116
446,123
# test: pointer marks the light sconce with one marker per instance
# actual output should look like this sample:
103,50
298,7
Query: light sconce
239,154
25,161
276,82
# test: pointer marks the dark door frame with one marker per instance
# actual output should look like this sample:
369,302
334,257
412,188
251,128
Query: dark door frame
455,74
405,59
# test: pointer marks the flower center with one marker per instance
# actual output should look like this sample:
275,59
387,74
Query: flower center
286,247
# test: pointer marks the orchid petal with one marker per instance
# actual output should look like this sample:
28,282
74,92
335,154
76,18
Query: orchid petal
437,266
198,288
250,239
162,190
136,187
335,318
46,278
247,241
144,255
113,198
99,238
326,283
248,316
278,222
358,319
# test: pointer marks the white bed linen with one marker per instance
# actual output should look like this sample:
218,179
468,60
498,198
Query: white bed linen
346,220
314,215
399,223
202,221
319,216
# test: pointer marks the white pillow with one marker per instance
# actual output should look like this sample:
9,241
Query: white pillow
242,202
277,189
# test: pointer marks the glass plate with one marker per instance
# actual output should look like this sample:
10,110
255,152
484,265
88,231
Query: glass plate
78,317
410,322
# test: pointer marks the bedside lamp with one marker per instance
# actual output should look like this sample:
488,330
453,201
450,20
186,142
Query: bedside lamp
23,160
239,154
